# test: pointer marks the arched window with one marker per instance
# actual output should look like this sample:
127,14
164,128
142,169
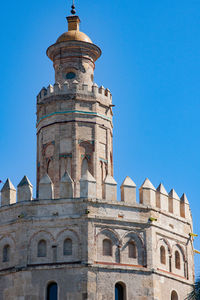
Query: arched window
52,291
67,247
132,250
6,253
42,249
177,260
119,291
107,247
162,255
84,166
174,295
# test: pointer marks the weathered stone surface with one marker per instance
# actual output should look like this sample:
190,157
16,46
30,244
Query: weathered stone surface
162,197
110,188
46,188
66,187
87,186
24,190
148,193
128,191
8,193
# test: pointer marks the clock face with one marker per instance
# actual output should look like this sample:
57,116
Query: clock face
70,75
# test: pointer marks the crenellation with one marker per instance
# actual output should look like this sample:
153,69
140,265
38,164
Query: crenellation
24,190
8,193
185,211
174,202
87,186
46,188
157,199
147,193
50,90
102,90
110,189
128,191
85,87
57,88
161,197
95,89
66,186
75,87
43,92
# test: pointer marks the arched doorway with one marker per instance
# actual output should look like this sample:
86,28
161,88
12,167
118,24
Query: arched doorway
174,295
120,292
52,291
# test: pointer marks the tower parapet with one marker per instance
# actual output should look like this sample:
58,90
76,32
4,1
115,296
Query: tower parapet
93,91
157,199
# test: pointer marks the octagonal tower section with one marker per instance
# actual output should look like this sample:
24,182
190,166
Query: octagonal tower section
74,116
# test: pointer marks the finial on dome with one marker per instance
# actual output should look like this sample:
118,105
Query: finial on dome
73,11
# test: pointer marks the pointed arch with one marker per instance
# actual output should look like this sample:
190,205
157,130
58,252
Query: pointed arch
133,248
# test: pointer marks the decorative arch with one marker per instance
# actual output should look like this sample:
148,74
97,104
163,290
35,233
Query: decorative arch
179,261
33,247
68,245
164,252
181,250
107,234
110,233
8,237
134,240
7,250
165,242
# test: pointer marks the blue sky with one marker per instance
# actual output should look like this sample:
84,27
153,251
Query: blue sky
151,64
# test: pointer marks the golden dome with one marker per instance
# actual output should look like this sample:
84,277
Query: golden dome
73,33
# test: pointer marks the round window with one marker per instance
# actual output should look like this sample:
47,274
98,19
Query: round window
70,75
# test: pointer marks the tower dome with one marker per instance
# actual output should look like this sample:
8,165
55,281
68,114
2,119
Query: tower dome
73,33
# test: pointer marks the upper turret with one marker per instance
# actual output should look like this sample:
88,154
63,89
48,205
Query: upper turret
73,33
74,55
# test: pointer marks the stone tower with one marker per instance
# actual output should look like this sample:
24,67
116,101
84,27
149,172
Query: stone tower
74,117
75,241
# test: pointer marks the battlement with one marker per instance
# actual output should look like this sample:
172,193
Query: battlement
73,88
149,197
